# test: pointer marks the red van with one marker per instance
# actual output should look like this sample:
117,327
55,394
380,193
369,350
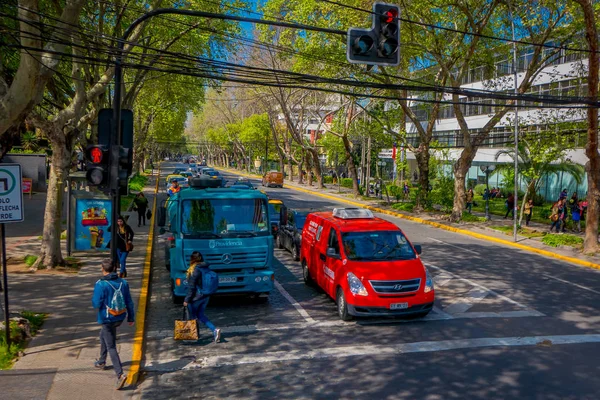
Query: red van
366,264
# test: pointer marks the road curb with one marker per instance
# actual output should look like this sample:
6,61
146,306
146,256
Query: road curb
140,326
546,253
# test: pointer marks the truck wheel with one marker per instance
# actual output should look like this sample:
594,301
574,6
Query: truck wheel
295,254
308,280
168,264
342,306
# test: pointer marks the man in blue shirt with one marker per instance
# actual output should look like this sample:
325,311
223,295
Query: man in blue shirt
113,301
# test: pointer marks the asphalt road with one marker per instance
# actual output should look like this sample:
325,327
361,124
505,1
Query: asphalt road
506,324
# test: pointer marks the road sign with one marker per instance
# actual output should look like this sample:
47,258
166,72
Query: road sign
11,193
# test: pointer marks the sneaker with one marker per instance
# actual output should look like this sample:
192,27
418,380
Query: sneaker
217,335
121,381
99,365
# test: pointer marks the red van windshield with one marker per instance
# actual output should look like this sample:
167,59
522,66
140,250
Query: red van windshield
377,246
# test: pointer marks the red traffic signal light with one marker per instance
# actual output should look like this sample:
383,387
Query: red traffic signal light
97,165
389,16
96,155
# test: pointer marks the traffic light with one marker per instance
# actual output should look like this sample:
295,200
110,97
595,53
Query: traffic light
97,165
380,44
125,165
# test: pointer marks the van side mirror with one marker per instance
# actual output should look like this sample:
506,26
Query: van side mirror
418,248
331,253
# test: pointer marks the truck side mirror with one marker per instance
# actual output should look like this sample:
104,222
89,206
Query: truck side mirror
418,248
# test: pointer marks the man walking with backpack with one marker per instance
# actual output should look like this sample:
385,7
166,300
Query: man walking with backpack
113,301
202,282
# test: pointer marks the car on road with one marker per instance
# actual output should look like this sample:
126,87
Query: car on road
182,180
289,236
366,264
170,178
273,179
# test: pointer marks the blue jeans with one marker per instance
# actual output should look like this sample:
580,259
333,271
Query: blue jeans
108,345
122,259
197,309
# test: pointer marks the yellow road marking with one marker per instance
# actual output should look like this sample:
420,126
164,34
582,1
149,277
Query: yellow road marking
140,325
546,253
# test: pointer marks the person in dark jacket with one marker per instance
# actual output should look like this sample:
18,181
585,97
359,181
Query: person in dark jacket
510,206
104,291
141,205
195,300
124,237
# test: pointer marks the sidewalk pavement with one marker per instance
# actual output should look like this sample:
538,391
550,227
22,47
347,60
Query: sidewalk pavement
479,228
59,361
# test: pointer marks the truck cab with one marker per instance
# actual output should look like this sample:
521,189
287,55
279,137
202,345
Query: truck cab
229,227
366,264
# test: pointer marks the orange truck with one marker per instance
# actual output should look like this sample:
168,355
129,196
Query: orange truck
273,179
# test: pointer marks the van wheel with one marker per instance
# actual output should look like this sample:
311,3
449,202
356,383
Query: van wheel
278,243
342,306
308,280
168,264
295,254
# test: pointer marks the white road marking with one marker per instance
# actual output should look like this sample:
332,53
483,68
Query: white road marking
294,303
458,247
572,283
470,282
375,350
441,279
462,304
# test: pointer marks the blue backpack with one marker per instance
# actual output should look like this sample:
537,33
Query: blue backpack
210,282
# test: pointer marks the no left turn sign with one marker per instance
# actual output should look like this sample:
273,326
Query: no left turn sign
11,193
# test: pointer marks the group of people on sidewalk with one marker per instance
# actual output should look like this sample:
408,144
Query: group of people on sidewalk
561,209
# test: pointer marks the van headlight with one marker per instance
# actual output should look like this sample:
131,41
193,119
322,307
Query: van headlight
356,286
428,282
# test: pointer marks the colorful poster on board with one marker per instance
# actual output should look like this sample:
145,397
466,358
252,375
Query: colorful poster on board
92,219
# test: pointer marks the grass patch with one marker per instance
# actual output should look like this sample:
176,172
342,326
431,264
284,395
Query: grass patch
528,233
126,201
8,356
30,260
408,207
562,240
467,217
138,182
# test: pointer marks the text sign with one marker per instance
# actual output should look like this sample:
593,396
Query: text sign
11,193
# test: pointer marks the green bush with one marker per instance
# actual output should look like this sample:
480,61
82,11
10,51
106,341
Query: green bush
408,207
346,182
479,189
395,191
443,193
138,182
466,217
565,240
327,179
30,260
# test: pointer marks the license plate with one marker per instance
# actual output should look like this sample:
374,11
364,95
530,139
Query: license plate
227,279
398,306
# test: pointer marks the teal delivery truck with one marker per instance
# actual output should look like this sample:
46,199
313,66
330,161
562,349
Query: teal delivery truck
229,227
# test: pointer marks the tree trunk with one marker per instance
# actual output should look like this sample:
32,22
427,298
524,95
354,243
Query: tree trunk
461,167
290,170
352,171
422,158
309,178
51,254
300,168
590,242
317,168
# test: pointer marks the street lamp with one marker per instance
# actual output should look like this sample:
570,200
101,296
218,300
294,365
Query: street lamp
487,170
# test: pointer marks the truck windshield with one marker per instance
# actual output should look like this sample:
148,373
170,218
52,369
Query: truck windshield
377,246
224,217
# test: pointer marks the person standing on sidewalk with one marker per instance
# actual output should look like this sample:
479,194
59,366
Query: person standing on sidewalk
124,244
113,301
528,211
576,215
469,198
195,300
510,206
141,205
